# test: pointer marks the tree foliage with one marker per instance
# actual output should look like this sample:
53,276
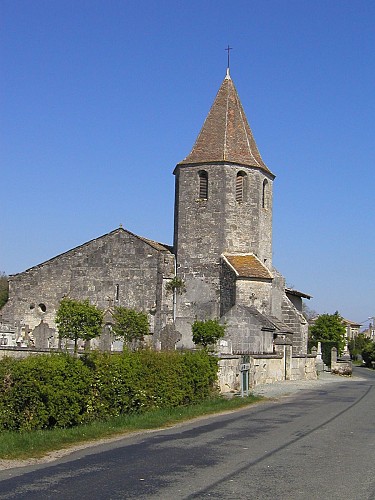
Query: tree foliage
78,320
329,327
4,289
368,353
129,325
358,344
207,332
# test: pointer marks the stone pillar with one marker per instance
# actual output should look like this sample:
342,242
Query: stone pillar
319,364
333,356
319,351
288,362
346,353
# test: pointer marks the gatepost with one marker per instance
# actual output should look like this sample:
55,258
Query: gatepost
244,368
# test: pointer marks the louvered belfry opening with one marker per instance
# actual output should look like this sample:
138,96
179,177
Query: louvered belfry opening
240,180
203,185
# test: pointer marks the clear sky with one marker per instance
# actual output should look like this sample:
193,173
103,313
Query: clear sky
101,98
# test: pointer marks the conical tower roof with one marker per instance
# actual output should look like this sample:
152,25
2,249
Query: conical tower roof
226,135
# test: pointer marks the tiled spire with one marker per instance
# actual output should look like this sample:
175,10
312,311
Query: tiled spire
226,135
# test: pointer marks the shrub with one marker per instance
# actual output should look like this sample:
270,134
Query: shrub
43,392
78,320
207,332
46,391
129,325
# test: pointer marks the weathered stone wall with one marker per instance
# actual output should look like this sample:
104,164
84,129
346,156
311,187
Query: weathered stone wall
277,294
255,293
244,328
206,228
266,369
22,352
227,287
219,224
303,368
298,324
116,269
229,374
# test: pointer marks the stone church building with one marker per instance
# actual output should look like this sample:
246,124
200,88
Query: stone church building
221,254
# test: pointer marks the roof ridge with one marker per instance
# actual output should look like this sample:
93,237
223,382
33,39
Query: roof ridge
226,118
152,243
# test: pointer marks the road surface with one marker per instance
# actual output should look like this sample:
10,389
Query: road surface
313,444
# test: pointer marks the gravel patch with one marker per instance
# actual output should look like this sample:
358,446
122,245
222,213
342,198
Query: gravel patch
288,387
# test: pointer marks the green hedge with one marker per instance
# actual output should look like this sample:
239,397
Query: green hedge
45,391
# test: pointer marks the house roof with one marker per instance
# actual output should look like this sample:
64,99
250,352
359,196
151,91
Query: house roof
267,322
290,291
280,325
352,324
226,135
248,266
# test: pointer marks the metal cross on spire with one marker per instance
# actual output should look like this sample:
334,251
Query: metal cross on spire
228,49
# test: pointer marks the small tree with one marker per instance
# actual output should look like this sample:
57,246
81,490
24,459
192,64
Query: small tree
129,325
4,289
358,344
329,327
207,332
78,320
368,353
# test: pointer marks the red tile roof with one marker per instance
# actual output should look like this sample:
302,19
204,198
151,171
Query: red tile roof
248,266
226,135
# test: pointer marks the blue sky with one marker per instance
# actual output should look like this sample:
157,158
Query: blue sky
101,98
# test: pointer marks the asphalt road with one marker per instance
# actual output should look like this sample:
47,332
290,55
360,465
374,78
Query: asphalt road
318,444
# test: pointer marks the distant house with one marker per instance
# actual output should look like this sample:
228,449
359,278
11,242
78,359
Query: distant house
352,328
370,331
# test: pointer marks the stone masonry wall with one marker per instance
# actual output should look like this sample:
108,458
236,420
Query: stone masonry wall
116,269
255,293
206,228
227,288
245,331
298,324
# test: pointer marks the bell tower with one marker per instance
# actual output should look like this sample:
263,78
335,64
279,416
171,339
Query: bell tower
223,205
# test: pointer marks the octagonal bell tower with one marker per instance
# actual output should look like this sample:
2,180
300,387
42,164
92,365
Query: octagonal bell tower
223,206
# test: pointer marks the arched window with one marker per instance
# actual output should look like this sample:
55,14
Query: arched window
240,186
265,194
203,185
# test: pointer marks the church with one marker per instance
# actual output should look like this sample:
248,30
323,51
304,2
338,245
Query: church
219,266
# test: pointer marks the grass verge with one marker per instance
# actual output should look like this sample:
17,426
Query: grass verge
35,444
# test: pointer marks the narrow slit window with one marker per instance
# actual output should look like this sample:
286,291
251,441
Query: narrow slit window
117,293
240,184
203,185
265,194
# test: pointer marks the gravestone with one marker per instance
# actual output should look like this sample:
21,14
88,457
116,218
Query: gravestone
168,338
105,339
43,336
